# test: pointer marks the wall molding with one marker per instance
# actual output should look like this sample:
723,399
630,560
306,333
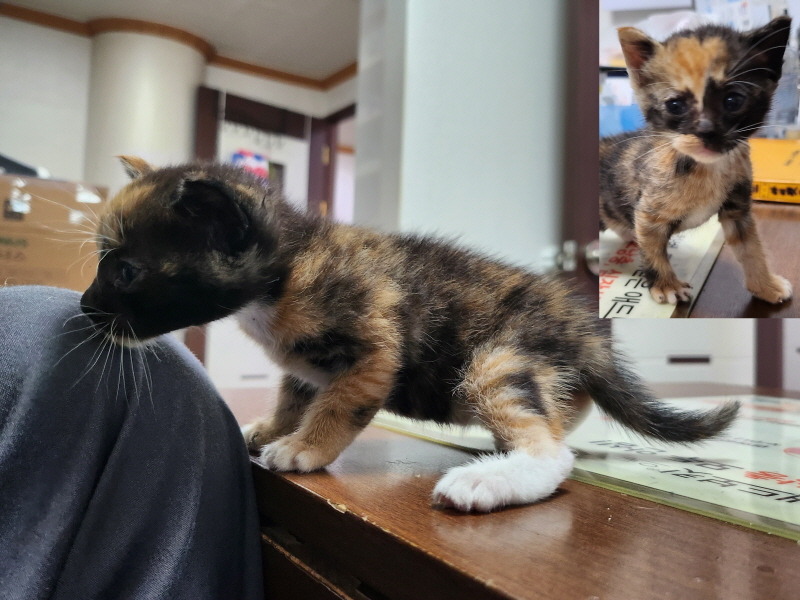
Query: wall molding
97,26
259,71
44,19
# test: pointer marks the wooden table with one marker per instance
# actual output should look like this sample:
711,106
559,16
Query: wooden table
364,528
724,293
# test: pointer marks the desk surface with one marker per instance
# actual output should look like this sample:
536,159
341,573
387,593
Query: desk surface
724,293
566,547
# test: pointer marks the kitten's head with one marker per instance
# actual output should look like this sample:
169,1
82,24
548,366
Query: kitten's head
178,247
708,89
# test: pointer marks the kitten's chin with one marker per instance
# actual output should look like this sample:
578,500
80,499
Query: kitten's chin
695,149
126,340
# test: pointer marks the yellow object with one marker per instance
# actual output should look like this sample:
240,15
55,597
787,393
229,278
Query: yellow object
776,170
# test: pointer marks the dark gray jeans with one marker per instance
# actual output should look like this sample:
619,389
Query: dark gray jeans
117,480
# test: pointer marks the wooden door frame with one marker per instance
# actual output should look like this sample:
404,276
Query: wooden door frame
323,141
769,353
581,184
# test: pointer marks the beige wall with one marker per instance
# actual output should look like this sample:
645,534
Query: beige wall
44,97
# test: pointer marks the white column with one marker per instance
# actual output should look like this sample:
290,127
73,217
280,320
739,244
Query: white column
141,102
379,116
483,123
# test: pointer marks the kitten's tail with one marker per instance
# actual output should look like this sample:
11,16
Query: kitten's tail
623,396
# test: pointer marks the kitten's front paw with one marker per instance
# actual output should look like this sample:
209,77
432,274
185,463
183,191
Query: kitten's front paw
292,454
775,289
671,294
257,435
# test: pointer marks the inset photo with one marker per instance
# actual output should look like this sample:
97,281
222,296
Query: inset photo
699,159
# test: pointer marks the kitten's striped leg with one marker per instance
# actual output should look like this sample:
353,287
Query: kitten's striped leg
653,236
516,400
742,236
293,399
335,417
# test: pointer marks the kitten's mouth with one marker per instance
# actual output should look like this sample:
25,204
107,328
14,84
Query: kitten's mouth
697,149
707,152
125,340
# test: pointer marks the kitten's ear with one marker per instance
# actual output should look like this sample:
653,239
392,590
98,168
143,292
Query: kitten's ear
766,47
213,204
134,166
637,48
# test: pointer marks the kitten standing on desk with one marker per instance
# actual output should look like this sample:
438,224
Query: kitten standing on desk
361,320
702,93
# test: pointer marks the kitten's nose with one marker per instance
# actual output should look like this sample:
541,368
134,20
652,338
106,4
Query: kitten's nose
705,125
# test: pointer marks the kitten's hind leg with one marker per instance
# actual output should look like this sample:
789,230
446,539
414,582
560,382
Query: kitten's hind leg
516,400
293,399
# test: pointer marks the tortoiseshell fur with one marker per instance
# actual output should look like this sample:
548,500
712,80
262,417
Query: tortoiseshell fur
682,169
362,320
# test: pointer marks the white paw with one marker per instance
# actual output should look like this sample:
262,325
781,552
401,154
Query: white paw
291,454
503,479
777,289
672,295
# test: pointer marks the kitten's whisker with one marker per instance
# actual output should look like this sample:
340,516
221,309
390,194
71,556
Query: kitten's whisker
755,85
92,326
88,338
750,57
142,353
133,373
110,343
642,136
754,127
92,362
652,150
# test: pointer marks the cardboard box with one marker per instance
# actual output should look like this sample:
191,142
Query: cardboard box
43,227
776,170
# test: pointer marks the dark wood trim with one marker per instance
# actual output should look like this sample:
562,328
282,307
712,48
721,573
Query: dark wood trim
581,183
264,117
206,127
195,340
341,114
769,352
321,166
44,19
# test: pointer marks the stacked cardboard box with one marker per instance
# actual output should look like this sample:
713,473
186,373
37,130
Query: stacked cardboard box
776,170
43,227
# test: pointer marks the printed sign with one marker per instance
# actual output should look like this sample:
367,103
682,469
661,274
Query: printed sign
749,475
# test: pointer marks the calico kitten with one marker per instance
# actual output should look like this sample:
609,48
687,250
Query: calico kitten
361,320
702,93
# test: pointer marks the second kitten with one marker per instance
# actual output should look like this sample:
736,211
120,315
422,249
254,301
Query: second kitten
702,93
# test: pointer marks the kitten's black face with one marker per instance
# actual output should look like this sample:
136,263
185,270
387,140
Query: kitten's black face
726,114
175,252
708,90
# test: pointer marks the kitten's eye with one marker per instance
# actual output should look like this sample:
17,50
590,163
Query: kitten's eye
127,273
677,107
733,102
